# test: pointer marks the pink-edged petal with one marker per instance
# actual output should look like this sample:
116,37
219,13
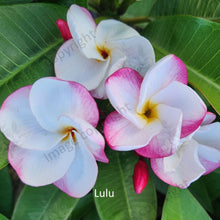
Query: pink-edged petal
50,98
71,64
83,29
122,89
166,142
82,174
112,30
209,157
182,97
160,75
38,168
209,118
91,136
20,126
181,168
138,51
122,135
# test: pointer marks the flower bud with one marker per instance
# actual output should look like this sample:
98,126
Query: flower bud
64,29
140,176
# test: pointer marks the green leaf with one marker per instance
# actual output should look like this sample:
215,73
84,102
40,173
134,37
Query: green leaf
181,205
6,194
209,9
43,203
2,217
196,42
92,215
84,205
10,2
116,177
200,191
3,151
68,3
29,40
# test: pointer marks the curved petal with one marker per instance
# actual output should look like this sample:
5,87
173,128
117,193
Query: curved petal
209,135
182,97
209,118
209,157
83,29
165,71
70,64
181,168
51,98
91,136
82,174
166,142
117,60
138,51
19,125
122,135
111,30
38,168
122,89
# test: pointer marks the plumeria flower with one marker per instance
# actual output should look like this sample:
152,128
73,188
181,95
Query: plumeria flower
95,52
51,128
198,154
152,113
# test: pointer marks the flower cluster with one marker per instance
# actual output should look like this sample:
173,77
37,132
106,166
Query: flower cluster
51,124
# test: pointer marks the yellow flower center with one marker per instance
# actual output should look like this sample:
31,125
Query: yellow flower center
69,131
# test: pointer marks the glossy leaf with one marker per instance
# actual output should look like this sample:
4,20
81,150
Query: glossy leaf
29,39
43,203
116,177
6,193
209,9
196,42
181,205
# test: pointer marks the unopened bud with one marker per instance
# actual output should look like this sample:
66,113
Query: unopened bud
140,176
64,29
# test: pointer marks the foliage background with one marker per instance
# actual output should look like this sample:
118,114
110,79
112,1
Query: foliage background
29,40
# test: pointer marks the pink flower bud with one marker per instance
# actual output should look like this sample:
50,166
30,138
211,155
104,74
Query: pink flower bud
64,29
140,176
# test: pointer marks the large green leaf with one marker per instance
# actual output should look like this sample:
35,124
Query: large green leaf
29,40
116,177
209,9
6,195
67,3
43,203
196,42
181,205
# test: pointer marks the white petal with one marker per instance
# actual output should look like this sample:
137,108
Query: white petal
82,174
83,27
71,64
160,75
180,96
138,51
181,168
111,30
122,135
19,125
38,168
50,98
166,142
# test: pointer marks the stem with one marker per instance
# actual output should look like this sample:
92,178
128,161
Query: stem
136,20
